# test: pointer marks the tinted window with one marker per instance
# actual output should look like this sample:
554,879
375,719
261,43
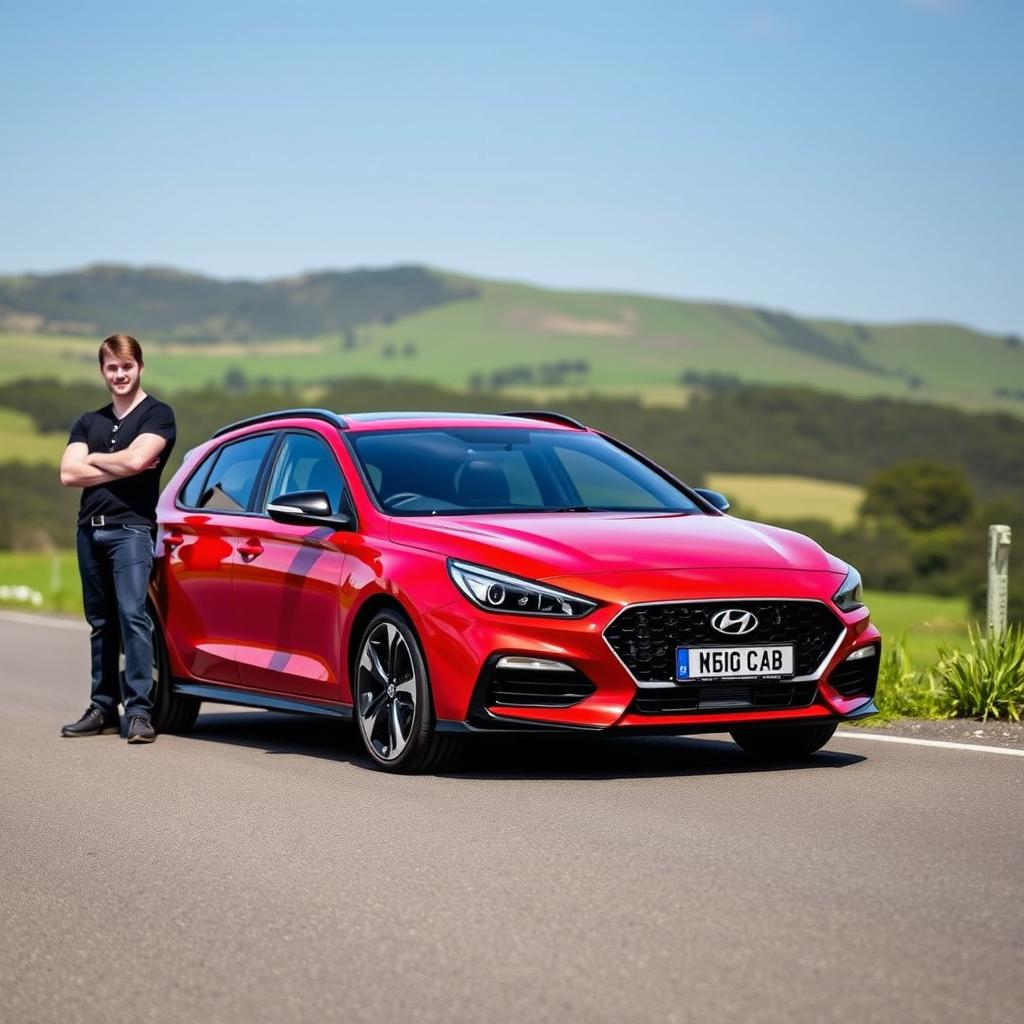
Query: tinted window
476,469
230,483
306,463
189,494
599,482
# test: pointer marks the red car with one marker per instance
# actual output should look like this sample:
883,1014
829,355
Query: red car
432,575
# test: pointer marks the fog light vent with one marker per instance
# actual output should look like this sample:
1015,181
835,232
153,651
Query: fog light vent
857,676
518,682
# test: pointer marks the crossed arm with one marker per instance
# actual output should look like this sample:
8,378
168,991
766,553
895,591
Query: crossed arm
80,469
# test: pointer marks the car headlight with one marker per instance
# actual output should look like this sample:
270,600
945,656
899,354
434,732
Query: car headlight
498,592
850,595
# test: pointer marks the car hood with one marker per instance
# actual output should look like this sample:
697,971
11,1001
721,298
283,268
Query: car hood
548,544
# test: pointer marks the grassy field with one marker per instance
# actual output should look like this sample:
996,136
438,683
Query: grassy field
785,498
632,345
925,621
54,576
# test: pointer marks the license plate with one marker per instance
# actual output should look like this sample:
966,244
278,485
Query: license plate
733,662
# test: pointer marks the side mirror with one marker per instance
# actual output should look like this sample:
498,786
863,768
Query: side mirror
307,508
720,501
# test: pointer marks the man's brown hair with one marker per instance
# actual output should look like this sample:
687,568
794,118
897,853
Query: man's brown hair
120,346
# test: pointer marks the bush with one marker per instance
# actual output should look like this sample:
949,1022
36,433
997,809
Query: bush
920,495
986,680
904,692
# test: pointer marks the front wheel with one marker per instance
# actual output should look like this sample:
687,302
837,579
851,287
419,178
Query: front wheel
393,706
783,742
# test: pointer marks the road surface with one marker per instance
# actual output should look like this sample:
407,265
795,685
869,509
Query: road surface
260,871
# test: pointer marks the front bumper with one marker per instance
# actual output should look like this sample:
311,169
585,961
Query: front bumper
599,691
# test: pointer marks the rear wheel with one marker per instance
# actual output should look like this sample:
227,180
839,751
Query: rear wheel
394,711
783,742
172,712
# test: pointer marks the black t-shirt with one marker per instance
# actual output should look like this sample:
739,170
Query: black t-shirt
131,499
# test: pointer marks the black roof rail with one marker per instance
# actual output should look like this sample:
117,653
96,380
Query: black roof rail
547,416
265,417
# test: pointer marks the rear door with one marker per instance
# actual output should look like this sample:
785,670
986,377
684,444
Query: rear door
199,538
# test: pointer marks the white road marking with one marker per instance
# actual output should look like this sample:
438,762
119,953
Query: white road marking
44,620
945,744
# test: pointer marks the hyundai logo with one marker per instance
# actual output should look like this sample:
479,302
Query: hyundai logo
734,621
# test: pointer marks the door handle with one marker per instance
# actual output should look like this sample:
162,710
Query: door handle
172,540
250,549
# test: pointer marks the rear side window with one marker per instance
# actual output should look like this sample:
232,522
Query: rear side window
188,497
230,482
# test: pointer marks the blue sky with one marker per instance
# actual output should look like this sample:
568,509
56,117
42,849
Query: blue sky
857,158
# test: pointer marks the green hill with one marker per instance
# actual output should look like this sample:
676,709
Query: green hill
486,336
161,302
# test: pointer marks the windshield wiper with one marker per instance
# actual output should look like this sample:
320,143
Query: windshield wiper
622,508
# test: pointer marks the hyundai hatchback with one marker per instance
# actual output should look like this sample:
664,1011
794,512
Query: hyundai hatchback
433,575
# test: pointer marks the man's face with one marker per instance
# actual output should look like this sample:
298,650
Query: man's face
121,375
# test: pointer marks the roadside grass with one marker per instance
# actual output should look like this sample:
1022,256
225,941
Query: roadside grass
774,498
905,690
54,576
914,628
985,680
938,663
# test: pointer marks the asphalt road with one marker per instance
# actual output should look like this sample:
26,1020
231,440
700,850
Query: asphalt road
259,870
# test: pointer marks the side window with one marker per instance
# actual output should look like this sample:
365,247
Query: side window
188,496
230,483
306,463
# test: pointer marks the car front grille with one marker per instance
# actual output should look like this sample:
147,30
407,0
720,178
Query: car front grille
762,695
645,637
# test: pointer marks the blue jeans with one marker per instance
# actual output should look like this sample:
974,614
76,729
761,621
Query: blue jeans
115,562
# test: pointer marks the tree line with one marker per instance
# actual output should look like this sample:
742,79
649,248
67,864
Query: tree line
744,429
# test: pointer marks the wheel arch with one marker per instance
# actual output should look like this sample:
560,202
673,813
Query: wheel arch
367,610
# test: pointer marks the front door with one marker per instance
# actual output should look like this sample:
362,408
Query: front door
287,582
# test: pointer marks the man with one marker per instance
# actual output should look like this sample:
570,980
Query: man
116,455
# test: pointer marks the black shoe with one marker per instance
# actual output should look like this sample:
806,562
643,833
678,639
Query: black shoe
140,729
93,723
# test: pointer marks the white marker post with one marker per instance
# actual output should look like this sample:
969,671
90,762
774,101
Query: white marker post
998,578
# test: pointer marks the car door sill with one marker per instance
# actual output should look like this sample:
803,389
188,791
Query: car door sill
247,698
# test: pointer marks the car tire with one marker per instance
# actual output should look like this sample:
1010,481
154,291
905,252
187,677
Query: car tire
393,707
172,712
783,742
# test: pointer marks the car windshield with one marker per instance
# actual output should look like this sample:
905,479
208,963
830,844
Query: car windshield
473,470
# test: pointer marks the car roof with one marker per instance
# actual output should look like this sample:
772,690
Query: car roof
363,421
